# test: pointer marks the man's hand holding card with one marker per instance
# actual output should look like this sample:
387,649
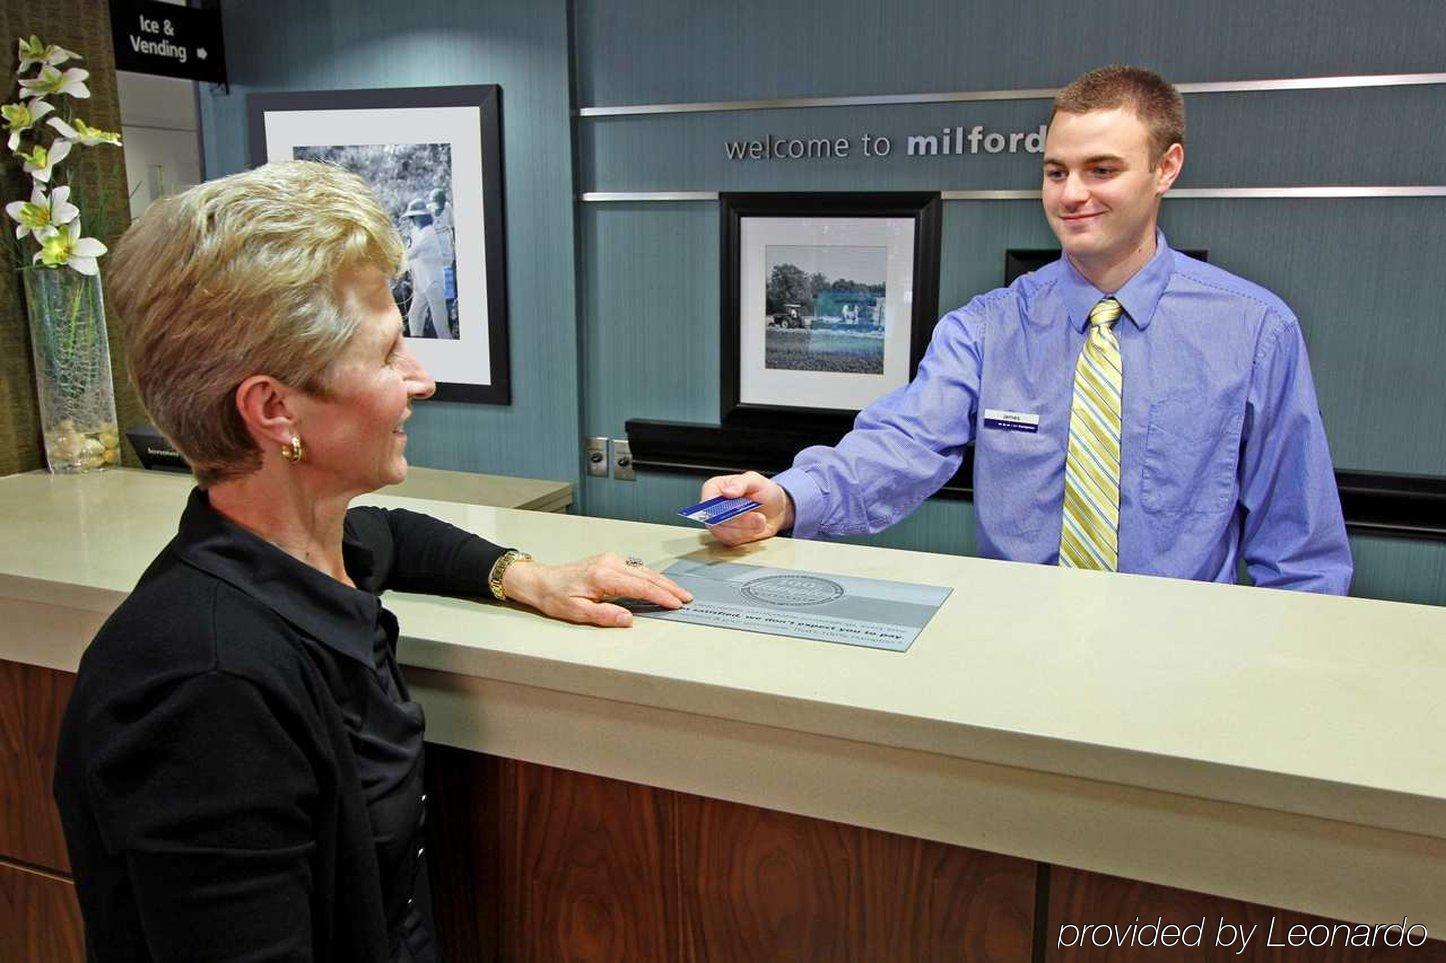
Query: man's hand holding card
774,513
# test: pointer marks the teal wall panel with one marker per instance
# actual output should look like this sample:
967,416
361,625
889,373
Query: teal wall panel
1362,274
649,276
655,51
1399,569
1364,277
523,46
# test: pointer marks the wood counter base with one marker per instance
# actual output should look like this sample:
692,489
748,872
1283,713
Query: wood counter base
587,868
531,862
39,916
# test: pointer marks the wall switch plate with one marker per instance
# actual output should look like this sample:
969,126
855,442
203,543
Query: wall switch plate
595,456
622,460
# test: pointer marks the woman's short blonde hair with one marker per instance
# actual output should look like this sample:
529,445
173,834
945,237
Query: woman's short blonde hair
237,277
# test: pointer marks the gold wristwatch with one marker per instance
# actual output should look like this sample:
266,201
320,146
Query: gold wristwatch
499,569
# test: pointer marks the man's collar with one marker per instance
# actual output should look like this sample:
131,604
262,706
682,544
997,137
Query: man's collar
1139,296
338,616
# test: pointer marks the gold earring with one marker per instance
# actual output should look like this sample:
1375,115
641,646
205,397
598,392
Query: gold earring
292,452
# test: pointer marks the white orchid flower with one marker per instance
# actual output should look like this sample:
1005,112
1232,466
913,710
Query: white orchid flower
68,248
84,133
40,162
62,212
51,81
41,215
22,116
33,51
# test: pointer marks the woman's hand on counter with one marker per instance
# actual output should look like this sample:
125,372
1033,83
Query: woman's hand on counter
575,591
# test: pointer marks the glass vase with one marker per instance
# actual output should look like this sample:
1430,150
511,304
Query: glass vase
72,369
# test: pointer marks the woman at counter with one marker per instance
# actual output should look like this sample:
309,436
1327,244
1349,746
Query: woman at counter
240,765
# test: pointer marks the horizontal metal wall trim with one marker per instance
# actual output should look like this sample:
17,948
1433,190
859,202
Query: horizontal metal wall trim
1184,193
1031,93
648,196
1340,191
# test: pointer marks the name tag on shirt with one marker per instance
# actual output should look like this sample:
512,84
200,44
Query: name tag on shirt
1010,420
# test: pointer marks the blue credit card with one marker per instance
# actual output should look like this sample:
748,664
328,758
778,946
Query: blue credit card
719,509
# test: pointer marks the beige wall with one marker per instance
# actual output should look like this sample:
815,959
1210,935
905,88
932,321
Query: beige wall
98,172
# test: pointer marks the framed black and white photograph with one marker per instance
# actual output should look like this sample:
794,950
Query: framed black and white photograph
828,302
433,155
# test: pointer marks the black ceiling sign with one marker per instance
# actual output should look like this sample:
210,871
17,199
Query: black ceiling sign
159,38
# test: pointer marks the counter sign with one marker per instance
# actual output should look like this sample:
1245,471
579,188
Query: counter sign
159,38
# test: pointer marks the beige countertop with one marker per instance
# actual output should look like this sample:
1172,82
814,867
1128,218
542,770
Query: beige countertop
474,488
1272,746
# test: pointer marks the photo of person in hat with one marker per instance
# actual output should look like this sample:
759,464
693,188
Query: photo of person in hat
427,261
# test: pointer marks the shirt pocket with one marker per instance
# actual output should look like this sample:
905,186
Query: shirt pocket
1018,467
1191,451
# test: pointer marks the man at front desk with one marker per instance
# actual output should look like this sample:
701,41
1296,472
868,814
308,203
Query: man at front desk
1132,409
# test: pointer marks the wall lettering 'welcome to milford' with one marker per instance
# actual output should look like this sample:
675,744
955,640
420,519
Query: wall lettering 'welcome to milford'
955,141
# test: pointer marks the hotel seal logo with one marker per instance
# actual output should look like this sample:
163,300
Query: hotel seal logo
793,590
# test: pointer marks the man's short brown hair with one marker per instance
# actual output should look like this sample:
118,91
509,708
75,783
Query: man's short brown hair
1149,95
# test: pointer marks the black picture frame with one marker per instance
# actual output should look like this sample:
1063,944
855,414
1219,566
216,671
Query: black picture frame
1020,261
451,360
923,207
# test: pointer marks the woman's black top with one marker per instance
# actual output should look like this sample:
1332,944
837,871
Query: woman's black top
240,765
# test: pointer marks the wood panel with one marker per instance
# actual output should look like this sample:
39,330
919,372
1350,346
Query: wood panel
464,852
588,867
535,863
760,885
32,700
39,917
1078,897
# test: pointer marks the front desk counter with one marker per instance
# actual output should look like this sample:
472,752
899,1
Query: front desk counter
1056,749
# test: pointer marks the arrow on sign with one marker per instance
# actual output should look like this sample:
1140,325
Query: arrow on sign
200,53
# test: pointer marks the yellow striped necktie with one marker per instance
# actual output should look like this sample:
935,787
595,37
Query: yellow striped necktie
1090,534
